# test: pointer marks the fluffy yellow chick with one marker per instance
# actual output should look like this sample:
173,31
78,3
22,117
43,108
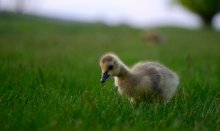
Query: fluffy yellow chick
143,81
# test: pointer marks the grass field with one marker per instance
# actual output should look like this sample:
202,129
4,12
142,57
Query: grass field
49,77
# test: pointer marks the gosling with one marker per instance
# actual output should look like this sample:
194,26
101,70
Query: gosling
144,81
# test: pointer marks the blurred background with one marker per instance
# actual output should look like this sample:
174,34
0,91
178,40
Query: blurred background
138,13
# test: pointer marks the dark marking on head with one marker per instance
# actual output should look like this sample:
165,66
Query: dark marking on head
106,59
110,67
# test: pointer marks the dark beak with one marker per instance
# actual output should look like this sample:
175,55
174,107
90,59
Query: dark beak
105,76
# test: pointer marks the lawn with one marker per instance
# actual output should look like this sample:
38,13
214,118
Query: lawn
49,77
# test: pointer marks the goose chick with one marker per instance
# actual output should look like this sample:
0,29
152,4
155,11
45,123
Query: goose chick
144,80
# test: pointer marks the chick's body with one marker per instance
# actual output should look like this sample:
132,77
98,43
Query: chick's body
148,79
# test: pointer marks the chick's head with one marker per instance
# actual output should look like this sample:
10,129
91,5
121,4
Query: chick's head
110,66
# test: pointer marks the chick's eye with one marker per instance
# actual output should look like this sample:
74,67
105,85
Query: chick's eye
110,67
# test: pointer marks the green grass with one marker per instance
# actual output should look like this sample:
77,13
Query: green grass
49,77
